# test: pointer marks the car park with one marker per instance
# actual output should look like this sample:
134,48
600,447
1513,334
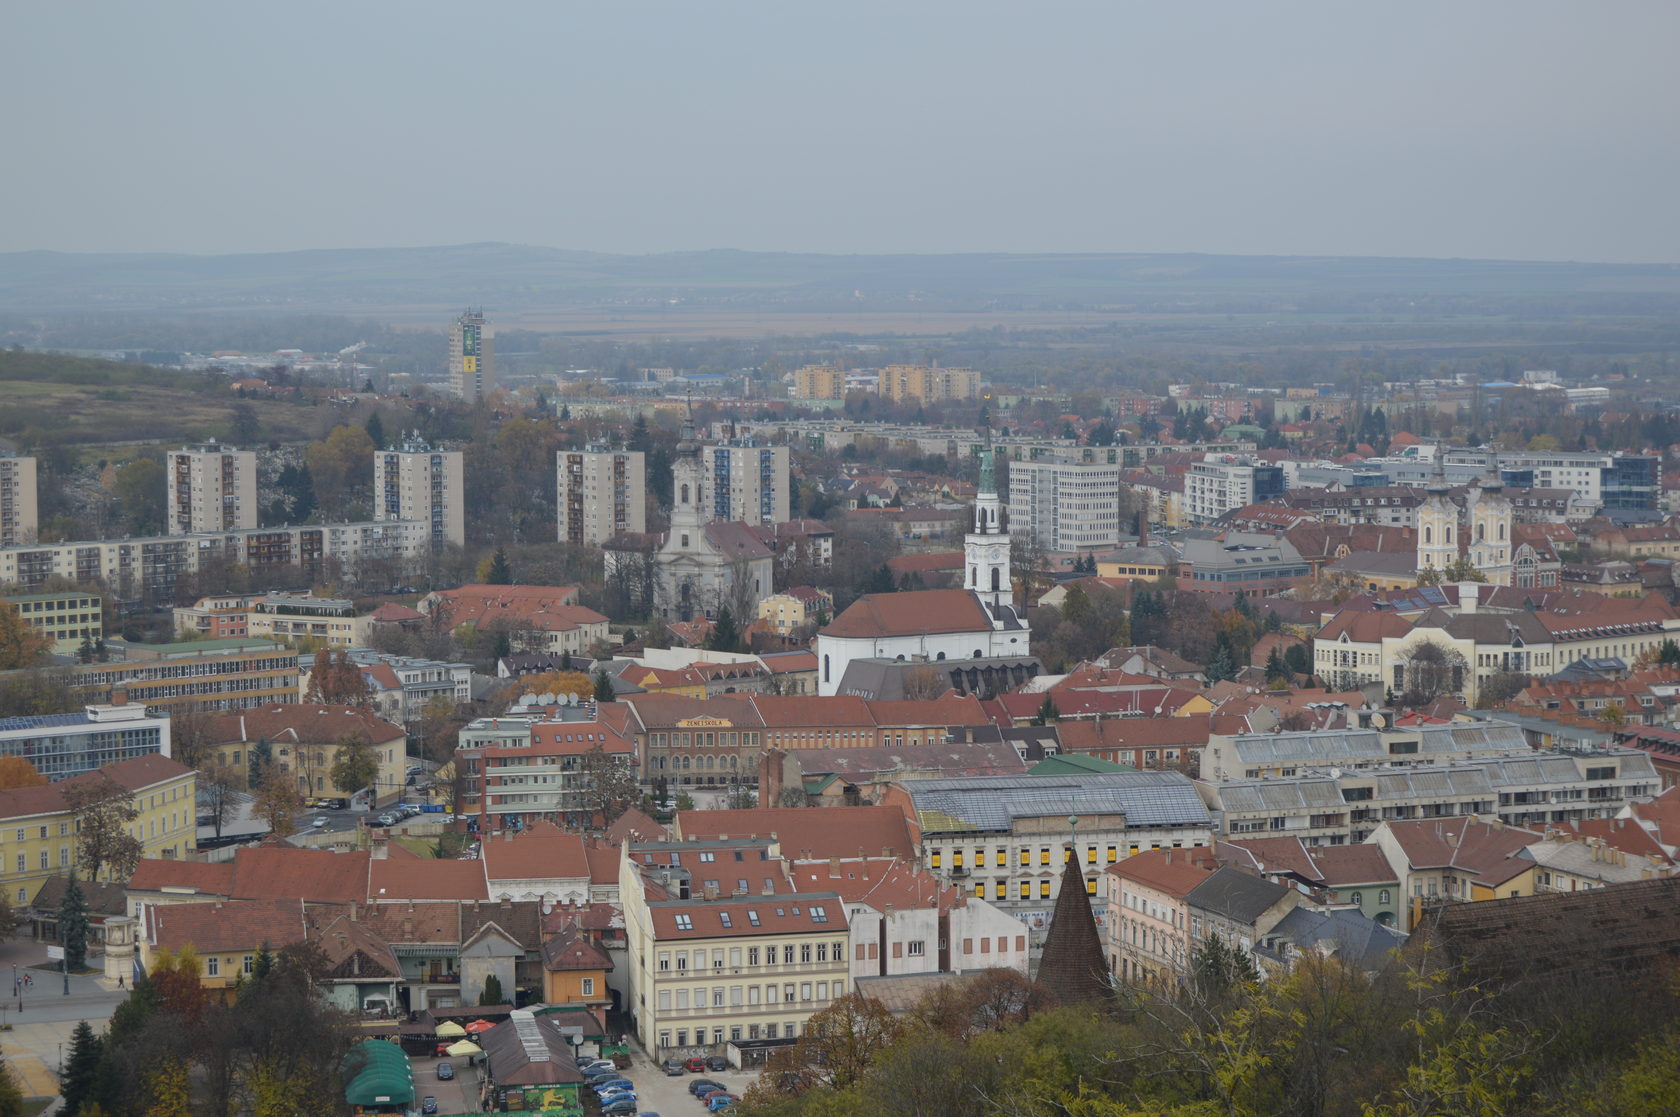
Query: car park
718,1102
445,1071
610,1083
385,820
623,1107
708,1094
695,1065
428,1104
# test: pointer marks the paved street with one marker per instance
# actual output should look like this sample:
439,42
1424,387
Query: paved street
38,1032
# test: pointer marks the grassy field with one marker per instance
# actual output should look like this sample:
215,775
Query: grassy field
89,415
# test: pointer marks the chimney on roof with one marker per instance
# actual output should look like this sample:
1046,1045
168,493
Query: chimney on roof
834,866
119,696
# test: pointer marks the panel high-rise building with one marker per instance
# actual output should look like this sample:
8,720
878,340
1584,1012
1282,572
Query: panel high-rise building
1066,506
928,385
19,514
212,488
749,483
472,357
600,493
819,382
418,482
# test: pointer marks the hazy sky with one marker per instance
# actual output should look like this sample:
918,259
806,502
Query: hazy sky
1523,130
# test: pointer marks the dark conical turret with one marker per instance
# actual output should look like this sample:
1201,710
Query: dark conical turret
1073,967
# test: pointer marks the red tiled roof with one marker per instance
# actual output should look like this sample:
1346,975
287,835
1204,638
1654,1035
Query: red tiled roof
1173,871
634,825
806,832
218,927
569,950
305,723
1364,627
792,913
280,872
1469,844
213,878
542,852
426,878
880,882
603,861
137,772
912,612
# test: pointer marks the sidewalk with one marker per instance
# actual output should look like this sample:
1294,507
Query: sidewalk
39,1033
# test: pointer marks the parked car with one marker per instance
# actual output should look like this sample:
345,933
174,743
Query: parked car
706,1096
717,1063
428,1104
321,823
385,820
703,1084
614,1084
588,1065
338,804
673,1067
615,1093
622,1107
720,1101
445,1071
695,1065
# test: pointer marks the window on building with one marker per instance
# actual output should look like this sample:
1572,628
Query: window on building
916,949
684,923
247,963
213,966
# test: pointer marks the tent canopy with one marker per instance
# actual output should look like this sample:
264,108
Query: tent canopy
450,1028
478,1026
465,1047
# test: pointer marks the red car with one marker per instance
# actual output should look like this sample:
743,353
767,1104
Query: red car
695,1065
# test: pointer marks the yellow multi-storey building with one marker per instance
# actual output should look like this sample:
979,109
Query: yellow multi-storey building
722,950
819,382
38,828
928,385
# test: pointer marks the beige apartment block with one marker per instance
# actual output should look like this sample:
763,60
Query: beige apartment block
19,515
600,493
421,483
819,382
212,488
929,385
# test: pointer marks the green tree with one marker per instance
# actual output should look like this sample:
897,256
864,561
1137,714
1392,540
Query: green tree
492,994
725,636
603,687
78,1079
1275,667
375,428
73,924
498,573
11,1095
354,765
105,812
140,491
1047,712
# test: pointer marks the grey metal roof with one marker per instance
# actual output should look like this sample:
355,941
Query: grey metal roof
1355,745
1236,895
995,802
1280,795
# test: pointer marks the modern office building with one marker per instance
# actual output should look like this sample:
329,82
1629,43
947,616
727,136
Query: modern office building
600,493
19,515
929,385
1066,507
63,745
750,482
68,618
211,488
472,357
420,482
1221,483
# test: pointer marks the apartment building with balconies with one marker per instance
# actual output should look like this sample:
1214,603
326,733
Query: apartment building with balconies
212,488
600,493
422,483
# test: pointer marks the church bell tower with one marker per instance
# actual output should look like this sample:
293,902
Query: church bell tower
986,547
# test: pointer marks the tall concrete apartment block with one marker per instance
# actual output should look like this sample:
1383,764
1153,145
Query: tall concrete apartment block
749,482
211,489
422,483
819,382
929,385
19,514
472,357
1065,506
1220,483
600,493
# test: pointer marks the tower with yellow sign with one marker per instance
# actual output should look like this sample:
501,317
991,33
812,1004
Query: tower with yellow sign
472,357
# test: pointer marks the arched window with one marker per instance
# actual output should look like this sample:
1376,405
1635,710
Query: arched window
1428,534
825,669
1449,533
1481,532
1383,897
941,655
978,654
685,493
1356,898
974,575
1502,531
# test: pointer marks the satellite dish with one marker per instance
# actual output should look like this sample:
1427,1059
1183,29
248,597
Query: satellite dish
547,699
527,700
571,698
1378,720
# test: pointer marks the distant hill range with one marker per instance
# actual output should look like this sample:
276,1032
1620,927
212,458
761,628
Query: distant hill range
514,278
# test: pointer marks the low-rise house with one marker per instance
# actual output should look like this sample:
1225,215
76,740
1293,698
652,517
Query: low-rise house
226,936
1344,934
575,970
1148,938
1238,908
1457,861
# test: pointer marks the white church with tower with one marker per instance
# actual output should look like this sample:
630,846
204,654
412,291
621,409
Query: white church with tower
1483,532
979,621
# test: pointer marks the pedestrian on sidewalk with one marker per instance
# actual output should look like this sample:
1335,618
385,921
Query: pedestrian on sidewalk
119,981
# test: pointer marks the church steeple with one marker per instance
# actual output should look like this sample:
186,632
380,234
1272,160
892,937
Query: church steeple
986,547
1072,966
688,476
